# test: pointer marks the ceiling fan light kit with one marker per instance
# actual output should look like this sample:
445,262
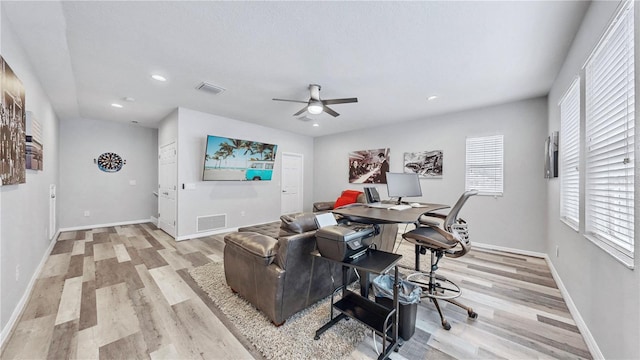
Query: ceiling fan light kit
315,105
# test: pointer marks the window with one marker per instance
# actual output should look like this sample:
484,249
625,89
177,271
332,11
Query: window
609,137
570,155
484,165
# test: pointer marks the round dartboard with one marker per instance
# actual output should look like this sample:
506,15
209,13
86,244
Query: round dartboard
110,162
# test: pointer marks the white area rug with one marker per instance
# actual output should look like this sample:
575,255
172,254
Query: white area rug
294,339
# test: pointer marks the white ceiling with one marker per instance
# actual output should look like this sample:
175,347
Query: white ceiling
390,55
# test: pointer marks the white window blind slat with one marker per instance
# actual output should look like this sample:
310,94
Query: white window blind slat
609,136
569,149
484,165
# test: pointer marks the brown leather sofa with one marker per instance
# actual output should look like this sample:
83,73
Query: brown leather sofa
271,266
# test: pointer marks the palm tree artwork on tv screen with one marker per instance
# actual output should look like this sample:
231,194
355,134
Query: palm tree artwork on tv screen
235,159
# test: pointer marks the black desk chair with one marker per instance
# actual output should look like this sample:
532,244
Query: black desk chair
442,235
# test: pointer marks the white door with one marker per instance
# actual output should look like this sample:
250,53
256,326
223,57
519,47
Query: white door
52,210
292,170
167,188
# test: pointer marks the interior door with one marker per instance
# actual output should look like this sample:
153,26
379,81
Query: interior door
292,194
167,188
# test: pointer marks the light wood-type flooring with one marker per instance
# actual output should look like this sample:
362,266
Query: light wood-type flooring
124,292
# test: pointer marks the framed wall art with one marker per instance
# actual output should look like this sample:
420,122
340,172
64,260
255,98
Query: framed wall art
427,164
34,151
12,127
551,156
369,166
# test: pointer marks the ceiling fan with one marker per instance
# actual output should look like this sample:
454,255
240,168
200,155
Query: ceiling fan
316,106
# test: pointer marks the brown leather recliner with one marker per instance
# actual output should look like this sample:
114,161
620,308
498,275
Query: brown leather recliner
275,271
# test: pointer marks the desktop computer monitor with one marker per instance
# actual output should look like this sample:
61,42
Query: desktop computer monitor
403,185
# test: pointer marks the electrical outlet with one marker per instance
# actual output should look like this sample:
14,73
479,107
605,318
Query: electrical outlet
242,213
17,272
87,213
557,251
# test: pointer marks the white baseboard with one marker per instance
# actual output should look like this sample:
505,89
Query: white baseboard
582,326
507,249
17,311
96,226
573,310
154,220
205,234
55,236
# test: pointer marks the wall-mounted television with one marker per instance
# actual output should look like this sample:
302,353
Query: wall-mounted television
239,160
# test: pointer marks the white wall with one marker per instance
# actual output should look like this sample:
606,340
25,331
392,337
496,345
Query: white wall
168,129
259,200
515,220
606,293
109,197
24,237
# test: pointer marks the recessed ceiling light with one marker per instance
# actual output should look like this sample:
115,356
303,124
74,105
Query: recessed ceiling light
116,105
129,99
432,97
316,125
158,77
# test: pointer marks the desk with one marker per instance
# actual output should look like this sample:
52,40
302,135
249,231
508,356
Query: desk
388,221
369,215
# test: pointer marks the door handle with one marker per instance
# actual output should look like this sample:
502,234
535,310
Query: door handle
165,193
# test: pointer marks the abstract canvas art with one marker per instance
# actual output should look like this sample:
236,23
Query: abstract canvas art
12,127
427,164
369,166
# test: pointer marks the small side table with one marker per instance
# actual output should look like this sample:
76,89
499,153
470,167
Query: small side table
375,316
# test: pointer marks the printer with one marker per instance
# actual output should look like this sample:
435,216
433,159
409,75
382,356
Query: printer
344,241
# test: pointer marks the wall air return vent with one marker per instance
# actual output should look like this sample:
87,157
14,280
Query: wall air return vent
211,222
215,90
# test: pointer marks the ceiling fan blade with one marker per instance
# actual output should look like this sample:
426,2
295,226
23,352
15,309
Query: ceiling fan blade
339,101
330,111
296,101
301,111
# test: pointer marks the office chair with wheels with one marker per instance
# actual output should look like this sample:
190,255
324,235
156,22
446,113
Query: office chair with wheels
447,237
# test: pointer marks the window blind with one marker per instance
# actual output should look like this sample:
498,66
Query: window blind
484,165
609,132
570,155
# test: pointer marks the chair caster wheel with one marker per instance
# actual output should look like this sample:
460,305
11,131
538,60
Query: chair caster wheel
446,325
316,337
473,315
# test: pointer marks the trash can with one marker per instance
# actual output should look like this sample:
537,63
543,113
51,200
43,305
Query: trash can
408,299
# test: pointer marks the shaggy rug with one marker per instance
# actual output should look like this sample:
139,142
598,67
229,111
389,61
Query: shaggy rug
294,339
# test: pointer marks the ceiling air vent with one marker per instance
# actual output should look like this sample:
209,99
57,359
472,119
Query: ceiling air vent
215,90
